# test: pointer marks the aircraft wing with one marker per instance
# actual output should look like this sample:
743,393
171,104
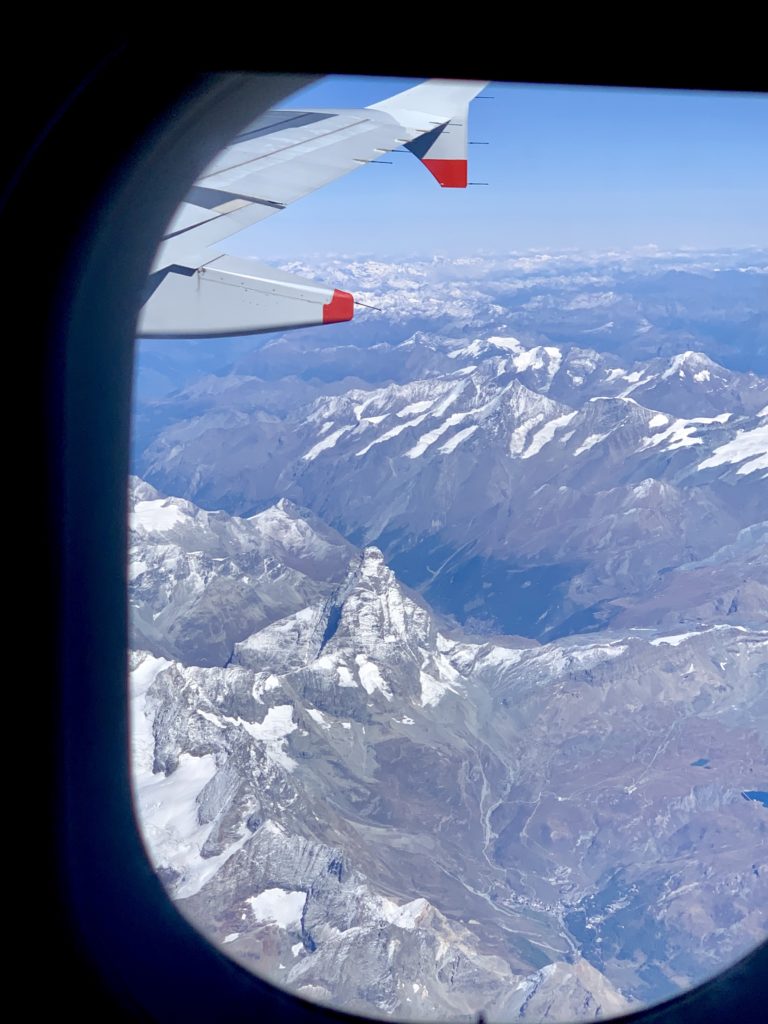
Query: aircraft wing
196,289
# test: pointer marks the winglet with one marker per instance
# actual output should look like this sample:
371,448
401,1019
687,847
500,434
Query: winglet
439,110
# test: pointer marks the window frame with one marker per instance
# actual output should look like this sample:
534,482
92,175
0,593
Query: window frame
122,949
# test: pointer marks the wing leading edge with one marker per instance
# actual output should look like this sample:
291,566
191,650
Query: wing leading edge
197,289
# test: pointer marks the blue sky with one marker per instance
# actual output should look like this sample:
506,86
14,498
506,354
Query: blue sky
568,168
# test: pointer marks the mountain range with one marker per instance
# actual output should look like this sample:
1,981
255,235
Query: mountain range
379,812
514,469
450,641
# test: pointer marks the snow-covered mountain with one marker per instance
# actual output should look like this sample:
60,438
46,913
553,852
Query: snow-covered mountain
628,306
199,581
645,303
688,384
476,481
396,818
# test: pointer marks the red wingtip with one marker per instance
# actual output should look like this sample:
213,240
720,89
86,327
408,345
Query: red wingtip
450,173
340,308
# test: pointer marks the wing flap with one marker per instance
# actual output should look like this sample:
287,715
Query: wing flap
233,296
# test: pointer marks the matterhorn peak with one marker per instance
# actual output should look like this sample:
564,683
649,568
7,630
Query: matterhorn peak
367,569
368,574
372,560
371,606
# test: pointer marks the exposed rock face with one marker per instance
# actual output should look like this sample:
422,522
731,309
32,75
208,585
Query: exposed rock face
397,820
200,581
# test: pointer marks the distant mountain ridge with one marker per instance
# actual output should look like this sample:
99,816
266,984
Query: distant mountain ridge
464,461
638,305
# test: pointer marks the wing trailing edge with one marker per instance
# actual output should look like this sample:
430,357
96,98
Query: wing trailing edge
233,296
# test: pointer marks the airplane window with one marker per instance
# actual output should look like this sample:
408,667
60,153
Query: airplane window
449,554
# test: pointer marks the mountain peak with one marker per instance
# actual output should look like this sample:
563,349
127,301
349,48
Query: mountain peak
693,362
369,571
615,409
372,556
286,506
372,607
140,490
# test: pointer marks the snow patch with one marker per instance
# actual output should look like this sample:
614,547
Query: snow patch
546,434
213,719
392,433
612,375
345,677
519,436
319,717
167,810
601,329
432,690
327,442
510,344
695,361
747,444
453,443
539,358
682,433
427,440
166,805
277,725
478,347
279,906
761,462
406,916
590,442
156,516
415,407
370,677
676,639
